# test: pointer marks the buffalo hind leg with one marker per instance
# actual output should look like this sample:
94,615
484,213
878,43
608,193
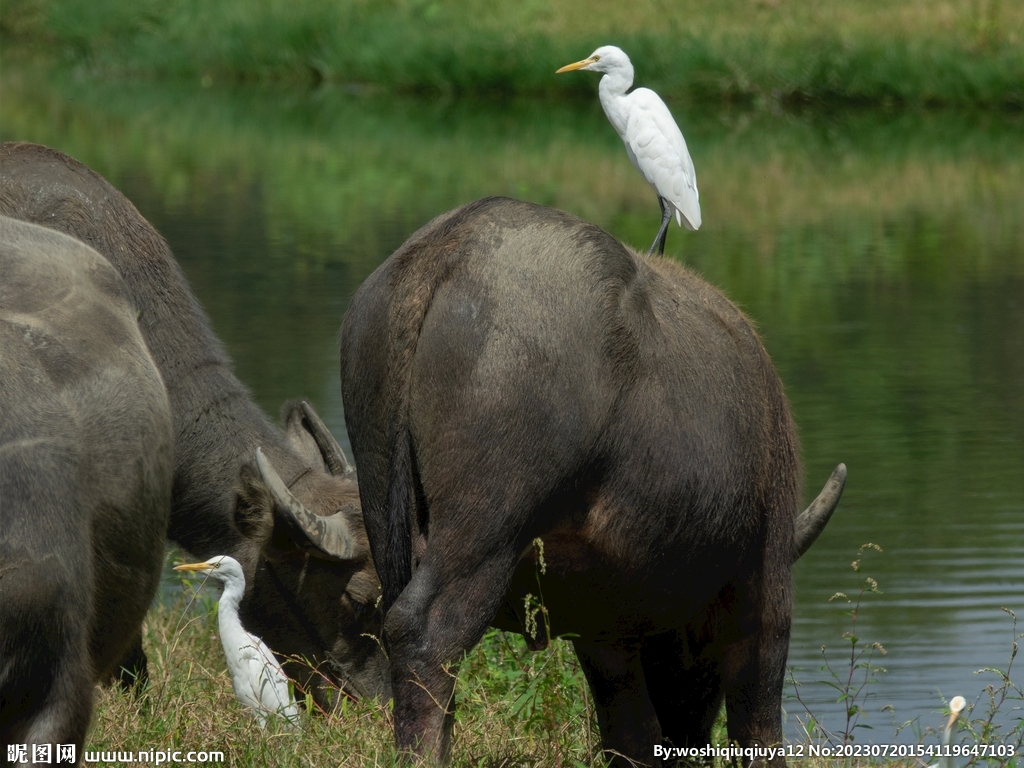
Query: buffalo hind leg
686,689
442,613
754,671
46,681
625,713
132,672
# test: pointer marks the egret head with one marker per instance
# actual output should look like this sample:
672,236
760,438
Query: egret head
605,59
956,706
223,569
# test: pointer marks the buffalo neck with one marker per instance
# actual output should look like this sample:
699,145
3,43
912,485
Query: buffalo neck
217,424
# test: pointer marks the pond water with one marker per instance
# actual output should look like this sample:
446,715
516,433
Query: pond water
881,254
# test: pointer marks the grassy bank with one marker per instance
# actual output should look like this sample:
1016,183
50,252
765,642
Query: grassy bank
515,708
871,51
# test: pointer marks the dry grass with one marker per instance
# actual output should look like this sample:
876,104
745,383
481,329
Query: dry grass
515,708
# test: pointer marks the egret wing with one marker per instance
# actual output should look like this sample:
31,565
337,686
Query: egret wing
259,681
658,150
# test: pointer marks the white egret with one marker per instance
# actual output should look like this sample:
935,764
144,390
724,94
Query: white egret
653,141
256,676
956,706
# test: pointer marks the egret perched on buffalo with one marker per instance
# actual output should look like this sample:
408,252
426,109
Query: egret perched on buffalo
256,676
653,140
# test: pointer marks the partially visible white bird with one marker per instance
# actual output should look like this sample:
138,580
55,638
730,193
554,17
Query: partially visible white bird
256,676
956,706
653,140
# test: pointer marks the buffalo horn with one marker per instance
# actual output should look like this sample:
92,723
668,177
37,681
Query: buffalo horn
334,456
812,521
328,533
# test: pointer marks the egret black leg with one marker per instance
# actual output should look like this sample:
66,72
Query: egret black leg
659,239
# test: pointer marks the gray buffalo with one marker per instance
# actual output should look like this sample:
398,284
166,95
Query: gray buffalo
291,519
85,482
513,373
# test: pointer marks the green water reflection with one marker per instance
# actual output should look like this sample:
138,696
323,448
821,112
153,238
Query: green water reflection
882,256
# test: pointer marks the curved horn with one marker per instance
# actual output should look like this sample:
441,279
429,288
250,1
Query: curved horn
335,458
328,533
812,520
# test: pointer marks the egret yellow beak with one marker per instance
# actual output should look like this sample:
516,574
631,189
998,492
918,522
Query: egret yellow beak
956,706
577,65
195,567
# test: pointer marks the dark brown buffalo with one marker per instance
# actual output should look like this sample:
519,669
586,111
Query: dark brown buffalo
85,483
513,373
311,588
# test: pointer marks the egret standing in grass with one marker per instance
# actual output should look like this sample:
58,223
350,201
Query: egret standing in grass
256,676
653,140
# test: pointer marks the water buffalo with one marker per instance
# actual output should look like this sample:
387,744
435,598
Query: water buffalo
513,373
292,520
85,482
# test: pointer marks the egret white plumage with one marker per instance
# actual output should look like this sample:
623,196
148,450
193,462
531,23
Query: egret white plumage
256,675
956,706
653,141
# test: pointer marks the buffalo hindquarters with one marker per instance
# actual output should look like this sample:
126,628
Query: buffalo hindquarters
85,482
514,373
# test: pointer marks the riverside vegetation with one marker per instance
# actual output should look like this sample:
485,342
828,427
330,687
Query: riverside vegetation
963,52
859,665
517,708
335,162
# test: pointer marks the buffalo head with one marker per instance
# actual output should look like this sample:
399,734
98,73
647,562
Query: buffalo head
312,592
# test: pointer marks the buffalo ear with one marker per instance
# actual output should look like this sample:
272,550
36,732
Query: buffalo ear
254,504
309,437
299,436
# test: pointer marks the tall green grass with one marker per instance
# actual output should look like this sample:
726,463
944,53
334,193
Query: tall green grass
339,165
514,707
870,51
